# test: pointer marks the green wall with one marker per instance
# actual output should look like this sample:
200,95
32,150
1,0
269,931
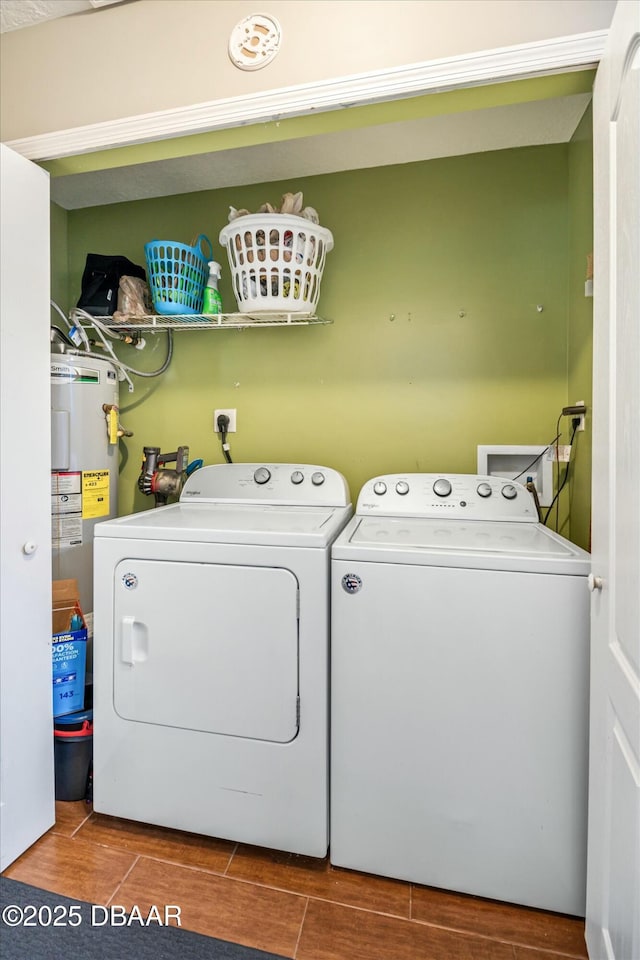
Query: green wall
580,322
436,344
58,225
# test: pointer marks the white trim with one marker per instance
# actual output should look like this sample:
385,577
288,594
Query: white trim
508,63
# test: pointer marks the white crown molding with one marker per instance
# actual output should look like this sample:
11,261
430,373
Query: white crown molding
508,63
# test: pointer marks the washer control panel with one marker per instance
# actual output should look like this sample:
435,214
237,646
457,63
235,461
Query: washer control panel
273,483
460,495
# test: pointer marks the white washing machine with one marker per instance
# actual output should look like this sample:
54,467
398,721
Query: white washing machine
459,721
212,656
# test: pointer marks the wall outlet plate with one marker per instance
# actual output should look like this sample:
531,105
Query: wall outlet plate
232,420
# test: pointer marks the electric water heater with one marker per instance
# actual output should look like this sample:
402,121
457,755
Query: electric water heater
84,464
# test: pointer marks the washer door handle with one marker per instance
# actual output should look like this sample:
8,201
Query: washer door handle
134,641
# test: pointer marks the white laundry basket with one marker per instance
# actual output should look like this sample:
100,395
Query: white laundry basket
276,262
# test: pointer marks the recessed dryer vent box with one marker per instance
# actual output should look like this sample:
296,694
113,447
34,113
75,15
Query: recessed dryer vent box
515,462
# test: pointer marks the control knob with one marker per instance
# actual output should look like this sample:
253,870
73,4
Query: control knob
484,490
402,487
442,488
262,475
297,476
380,487
509,492
317,478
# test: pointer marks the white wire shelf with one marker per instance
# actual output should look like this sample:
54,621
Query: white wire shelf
220,321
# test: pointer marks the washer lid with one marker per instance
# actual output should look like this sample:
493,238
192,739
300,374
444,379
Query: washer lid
231,523
502,545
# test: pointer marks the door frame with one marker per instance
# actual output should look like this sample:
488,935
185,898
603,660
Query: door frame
541,58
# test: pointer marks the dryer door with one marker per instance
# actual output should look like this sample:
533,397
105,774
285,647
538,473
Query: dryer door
207,647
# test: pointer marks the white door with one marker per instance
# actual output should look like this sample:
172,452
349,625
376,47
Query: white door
613,895
26,726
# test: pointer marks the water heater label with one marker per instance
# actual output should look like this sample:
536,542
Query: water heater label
66,509
66,503
65,483
62,373
66,530
95,494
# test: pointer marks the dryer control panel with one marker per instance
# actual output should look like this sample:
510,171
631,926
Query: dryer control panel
281,484
459,496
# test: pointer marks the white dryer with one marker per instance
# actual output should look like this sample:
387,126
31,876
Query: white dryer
212,656
459,723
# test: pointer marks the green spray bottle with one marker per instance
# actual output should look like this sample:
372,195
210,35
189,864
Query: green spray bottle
212,302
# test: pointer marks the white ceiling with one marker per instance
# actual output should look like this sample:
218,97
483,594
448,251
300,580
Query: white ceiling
495,128
17,14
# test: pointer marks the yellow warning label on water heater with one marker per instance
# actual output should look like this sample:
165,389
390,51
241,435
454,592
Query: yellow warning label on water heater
95,494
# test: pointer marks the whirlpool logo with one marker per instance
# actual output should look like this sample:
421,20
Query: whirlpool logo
351,583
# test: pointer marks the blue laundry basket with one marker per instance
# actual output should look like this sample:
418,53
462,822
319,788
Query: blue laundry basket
177,275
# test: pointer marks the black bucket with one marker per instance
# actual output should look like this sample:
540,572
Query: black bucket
73,754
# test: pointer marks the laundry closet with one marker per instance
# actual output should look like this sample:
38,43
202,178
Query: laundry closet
455,292
454,295
444,323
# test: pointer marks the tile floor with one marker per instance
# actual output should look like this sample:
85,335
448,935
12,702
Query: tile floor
294,906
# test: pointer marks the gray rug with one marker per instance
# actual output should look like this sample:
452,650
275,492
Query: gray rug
91,938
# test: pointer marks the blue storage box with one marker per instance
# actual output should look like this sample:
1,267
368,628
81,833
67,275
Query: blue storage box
68,649
69,655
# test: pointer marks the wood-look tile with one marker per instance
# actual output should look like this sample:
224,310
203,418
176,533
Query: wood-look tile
526,953
205,853
334,932
70,814
217,906
501,921
317,878
72,868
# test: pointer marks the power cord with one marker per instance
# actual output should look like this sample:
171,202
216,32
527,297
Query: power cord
541,454
575,424
223,425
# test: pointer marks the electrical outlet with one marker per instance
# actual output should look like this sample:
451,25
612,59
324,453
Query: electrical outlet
232,420
580,403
